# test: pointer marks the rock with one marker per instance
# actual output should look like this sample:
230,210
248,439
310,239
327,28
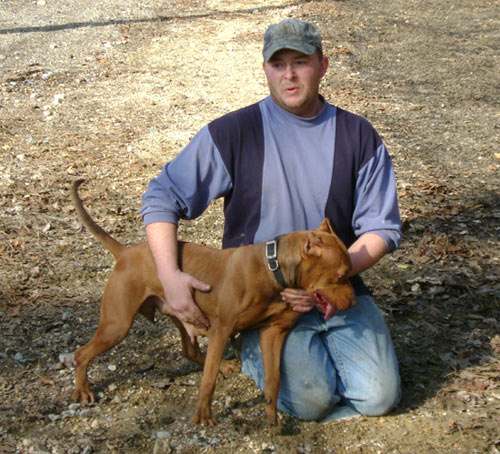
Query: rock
463,396
162,446
74,406
415,288
111,367
67,414
67,359
213,442
237,413
57,366
163,384
66,316
436,290
57,99
19,358
268,447
95,424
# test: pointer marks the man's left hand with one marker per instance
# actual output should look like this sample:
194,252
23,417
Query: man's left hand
299,300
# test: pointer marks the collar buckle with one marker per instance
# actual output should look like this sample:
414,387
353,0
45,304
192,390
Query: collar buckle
272,262
272,255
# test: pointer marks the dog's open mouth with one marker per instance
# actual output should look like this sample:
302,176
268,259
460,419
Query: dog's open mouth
326,307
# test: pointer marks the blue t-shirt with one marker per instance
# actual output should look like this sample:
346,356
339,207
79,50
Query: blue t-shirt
295,179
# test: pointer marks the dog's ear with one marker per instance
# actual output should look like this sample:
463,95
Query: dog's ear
312,246
325,226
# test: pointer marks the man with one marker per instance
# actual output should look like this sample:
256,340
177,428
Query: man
282,165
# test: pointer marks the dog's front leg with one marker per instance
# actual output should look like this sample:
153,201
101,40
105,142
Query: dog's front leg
218,337
272,338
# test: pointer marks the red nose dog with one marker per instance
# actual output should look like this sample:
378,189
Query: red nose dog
244,294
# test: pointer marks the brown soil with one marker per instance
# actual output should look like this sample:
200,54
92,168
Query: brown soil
111,92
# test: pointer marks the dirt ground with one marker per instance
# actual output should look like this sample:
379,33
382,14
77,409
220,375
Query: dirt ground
111,92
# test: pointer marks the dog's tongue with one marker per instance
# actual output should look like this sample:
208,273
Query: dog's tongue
324,305
329,312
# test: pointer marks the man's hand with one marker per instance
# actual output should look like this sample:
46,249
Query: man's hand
177,285
179,288
299,300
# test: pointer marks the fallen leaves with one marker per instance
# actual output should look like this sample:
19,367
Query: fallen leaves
60,121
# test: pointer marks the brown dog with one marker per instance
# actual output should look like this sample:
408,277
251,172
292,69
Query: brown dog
244,294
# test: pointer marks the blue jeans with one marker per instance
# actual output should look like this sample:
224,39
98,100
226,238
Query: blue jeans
333,369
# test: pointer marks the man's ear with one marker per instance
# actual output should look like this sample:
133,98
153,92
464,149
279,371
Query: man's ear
312,246
325,226
324,65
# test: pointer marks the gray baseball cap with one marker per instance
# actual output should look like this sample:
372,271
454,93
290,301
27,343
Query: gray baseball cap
292,34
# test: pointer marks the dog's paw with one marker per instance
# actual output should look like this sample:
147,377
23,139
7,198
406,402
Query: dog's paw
229,366
272,415
203,417
84,395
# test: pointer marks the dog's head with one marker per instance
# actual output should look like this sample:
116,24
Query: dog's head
324,270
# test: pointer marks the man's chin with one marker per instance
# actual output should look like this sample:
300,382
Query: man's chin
292,100
295,106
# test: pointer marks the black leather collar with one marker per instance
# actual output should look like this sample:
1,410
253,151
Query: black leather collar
272,261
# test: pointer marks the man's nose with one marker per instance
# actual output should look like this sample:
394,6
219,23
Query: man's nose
289,72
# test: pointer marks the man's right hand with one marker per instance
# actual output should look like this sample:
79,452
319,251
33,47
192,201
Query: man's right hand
179,288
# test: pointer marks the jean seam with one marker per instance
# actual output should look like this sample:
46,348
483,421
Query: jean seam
337,362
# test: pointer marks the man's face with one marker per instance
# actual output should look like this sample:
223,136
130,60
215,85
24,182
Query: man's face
293,79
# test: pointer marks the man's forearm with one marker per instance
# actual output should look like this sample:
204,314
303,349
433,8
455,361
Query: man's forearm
162,240
367,250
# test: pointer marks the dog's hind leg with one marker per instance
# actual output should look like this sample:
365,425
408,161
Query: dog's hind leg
118,309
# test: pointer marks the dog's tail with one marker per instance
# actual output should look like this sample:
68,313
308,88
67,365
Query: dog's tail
102,236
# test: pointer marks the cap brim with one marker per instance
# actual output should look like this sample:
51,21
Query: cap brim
307,49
